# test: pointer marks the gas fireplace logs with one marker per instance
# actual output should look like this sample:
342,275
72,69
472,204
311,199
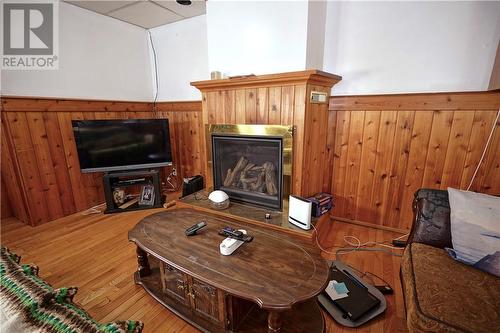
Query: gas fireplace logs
251,177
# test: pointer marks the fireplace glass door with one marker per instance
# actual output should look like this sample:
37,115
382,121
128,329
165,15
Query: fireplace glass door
249,169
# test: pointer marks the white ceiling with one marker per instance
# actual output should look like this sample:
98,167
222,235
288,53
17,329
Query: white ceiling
143,13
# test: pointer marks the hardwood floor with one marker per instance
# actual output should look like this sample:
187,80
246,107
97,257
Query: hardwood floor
92,252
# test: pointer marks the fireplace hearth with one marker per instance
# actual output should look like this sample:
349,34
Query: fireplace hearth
251,163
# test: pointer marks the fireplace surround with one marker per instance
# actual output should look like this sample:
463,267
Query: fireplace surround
277,99
286,99
251,163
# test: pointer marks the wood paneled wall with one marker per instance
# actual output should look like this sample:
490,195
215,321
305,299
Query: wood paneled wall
387,147
376,151
40,165
6,210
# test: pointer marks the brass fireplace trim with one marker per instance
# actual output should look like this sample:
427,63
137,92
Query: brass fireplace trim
277,131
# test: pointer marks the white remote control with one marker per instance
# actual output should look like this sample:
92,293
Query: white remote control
229,245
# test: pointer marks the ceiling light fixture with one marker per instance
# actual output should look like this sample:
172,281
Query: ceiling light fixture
184,2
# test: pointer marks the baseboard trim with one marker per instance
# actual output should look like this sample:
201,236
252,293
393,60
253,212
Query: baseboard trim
369,225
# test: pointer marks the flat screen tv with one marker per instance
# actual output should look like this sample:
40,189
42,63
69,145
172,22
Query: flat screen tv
122,144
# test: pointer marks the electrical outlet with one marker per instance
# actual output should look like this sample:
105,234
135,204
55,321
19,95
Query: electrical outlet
174,172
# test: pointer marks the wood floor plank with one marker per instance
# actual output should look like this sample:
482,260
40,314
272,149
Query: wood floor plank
92,252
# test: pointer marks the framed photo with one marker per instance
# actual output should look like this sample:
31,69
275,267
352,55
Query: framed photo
119,196
147,195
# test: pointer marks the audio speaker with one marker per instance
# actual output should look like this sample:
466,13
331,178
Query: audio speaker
191,185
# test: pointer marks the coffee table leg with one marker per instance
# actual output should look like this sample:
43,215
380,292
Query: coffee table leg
274,321
142,260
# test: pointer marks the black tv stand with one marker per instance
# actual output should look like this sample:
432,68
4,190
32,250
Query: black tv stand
126,179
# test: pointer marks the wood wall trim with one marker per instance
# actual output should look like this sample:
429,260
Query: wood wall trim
41,104
38,104
424,101
183,106
367,224
314,77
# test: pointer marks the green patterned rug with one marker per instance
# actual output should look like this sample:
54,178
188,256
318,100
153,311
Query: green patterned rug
27,303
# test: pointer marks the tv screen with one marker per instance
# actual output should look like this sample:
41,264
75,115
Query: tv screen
122,144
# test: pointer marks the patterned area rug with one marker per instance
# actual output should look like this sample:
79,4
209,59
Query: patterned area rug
29,304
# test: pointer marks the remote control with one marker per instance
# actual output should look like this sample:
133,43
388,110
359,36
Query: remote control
236,234
191,231
232,232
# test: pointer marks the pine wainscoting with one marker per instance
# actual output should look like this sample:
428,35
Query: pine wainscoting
40,169
379,149
386,147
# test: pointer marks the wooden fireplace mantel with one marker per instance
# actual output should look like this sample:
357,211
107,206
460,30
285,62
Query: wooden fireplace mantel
311,76
277,99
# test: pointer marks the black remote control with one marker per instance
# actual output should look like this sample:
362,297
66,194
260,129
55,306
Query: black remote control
191,231
232,232
236,234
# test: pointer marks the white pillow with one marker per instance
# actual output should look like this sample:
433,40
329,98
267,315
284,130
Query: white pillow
475,228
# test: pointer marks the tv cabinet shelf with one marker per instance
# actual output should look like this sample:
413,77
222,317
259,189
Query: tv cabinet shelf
125,179
126,183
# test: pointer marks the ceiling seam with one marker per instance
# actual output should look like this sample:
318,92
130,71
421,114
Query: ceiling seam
97,13
170,10
124,6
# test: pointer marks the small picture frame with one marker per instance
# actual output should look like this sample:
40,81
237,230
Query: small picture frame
147,195
119,196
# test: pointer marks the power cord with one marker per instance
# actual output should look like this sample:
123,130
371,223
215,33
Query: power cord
363,274
398,242
398,238
95,209
156,73
384,289
358,246
484,150
375,249
358,243
171,176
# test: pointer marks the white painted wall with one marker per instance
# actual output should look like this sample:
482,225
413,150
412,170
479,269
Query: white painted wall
259,37
402,47
182,55
378,47
316,23
100,58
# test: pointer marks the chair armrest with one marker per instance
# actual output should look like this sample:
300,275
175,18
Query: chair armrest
431,224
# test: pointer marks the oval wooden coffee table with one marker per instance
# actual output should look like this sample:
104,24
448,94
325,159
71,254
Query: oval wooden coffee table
278,273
